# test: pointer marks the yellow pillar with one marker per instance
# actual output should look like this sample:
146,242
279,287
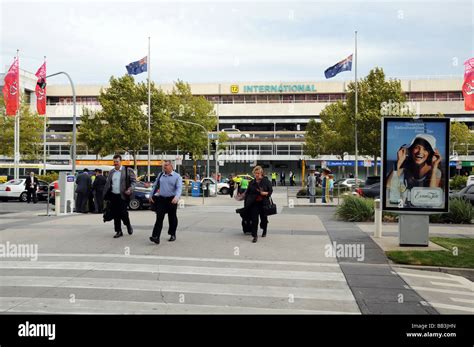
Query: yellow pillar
303,176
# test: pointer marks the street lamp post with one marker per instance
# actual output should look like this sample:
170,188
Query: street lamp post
74,123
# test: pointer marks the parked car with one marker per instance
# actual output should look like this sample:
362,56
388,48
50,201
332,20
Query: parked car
372,191
347,182
470,180
42,192
235,133
370,180
139,199
465,193
16,189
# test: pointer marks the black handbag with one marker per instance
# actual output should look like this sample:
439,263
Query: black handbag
270,208
108,216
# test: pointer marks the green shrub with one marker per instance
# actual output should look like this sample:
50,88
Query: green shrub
356,209
458,182
460,212
49,177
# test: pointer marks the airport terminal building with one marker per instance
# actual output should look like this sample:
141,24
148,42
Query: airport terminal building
265,119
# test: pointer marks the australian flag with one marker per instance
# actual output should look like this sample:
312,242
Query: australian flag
137,66
343,65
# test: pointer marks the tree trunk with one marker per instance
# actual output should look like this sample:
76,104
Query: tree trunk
134,155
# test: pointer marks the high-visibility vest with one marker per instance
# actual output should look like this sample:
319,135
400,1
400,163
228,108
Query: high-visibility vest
245,183
274,176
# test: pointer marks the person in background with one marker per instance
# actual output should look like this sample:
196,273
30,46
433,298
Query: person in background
274,179
231,185
83,189
98,190
325,184
312,187
282,178
331,186
31,185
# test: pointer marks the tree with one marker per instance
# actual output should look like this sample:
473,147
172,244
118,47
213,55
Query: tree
91,132
337,119
461,138
124,121
31,132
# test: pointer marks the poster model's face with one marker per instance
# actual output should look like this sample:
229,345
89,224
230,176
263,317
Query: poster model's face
415,164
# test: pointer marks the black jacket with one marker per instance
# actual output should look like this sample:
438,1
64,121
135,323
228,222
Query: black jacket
253,190
99,184
28,182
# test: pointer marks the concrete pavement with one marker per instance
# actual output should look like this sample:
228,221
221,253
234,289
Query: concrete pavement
211,268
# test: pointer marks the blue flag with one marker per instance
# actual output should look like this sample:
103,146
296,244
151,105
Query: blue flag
137,66
343,65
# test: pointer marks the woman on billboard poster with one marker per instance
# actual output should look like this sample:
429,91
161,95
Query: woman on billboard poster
418,165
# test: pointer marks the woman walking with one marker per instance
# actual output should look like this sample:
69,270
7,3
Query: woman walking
256,200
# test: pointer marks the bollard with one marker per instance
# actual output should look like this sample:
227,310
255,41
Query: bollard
378,218
57,201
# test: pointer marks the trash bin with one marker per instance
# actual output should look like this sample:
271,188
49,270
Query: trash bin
205,189
196,189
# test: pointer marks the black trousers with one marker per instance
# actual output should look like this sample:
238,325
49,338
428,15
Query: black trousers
255,212
99,201
81,202
231,192
164,206
274,182
31,193
118,207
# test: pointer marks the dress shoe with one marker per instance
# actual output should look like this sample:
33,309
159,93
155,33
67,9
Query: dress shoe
118,234
129,229
255,239
172,238
155,240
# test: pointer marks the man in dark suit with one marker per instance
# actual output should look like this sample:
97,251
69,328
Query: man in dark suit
31,185
83,188
118,189
98,189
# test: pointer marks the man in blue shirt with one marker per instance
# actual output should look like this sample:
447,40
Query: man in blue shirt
165,195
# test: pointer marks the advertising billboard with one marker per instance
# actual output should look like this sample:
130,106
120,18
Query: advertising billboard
415,164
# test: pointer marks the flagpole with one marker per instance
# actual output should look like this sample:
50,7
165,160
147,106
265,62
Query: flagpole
149,110
16,168
355,116
44,136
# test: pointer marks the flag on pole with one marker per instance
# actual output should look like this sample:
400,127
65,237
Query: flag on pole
40,90
468,86
137,67
11,90
343,65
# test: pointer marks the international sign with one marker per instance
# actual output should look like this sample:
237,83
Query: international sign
274,88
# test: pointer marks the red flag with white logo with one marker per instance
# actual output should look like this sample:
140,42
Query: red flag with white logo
468,86
40,90
11,90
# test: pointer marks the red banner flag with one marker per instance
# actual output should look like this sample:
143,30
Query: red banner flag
11,90
40,90
468,86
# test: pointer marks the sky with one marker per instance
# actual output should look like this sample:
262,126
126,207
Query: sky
231,41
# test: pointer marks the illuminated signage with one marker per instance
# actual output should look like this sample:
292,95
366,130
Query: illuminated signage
275,88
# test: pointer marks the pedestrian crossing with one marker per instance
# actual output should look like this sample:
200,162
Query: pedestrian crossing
448,294
150,284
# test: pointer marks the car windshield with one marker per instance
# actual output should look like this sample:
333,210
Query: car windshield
15,182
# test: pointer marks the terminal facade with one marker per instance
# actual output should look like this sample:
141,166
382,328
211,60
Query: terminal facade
265,122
